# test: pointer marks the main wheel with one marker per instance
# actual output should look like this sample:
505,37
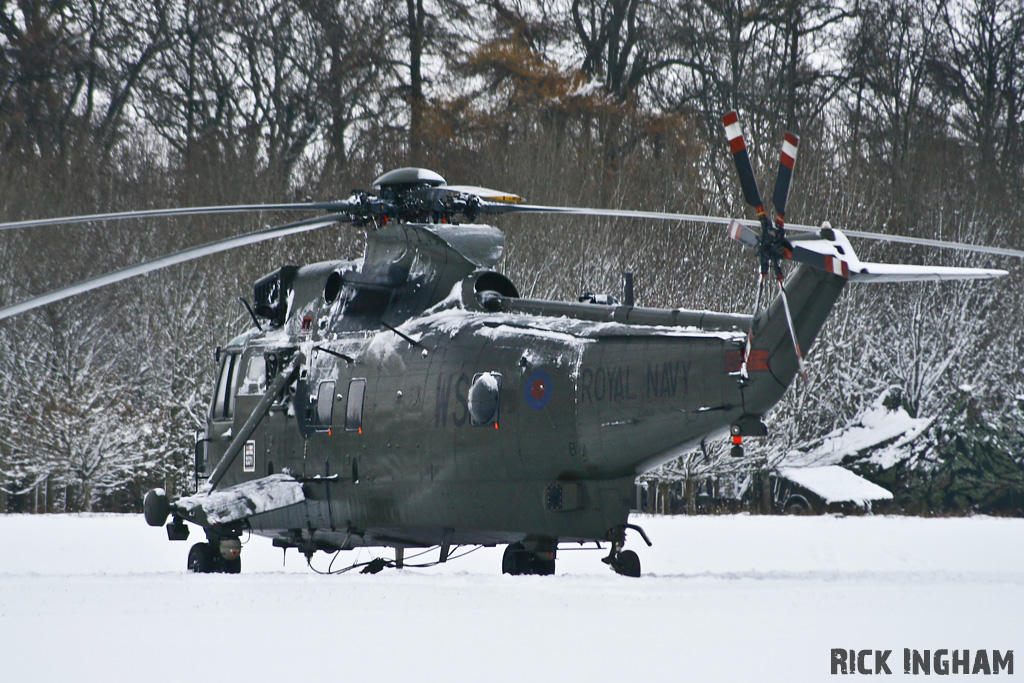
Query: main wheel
518,560
627,563
515,560
541,567
201,559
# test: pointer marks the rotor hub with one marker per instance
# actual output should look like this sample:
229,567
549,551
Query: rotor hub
402,180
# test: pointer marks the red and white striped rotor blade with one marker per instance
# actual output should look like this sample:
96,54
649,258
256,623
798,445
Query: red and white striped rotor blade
744,235
787,159
734,132
826,262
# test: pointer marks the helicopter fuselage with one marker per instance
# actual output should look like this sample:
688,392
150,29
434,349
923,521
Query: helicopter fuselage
490,418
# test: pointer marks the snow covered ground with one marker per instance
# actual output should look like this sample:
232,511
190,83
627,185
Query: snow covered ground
105,598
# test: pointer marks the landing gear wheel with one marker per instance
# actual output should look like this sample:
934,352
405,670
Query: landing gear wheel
232,566
516,560
201,559
626,563
541,567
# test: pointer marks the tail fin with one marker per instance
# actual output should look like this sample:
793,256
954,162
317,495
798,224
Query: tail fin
833,243
828,263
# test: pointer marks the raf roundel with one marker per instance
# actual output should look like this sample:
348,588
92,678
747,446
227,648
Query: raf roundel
538,389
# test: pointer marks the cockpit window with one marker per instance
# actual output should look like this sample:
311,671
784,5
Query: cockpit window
255,381
224,398
236,363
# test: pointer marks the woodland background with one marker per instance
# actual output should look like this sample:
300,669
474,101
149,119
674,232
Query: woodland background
910,113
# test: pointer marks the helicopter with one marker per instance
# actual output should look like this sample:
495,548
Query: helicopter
413,399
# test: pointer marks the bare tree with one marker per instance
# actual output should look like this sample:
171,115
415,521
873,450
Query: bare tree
982,69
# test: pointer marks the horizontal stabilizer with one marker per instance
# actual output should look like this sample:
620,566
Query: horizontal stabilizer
241,501
833,246
893,272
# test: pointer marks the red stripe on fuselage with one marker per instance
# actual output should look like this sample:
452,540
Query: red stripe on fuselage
758,360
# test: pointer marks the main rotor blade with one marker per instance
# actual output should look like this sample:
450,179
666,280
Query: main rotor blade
920,241
333,207
722,220
485,193
170,260
490,208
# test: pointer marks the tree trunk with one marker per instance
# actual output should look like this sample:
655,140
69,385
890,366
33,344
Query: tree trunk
691,496
794,53
416,20
766,493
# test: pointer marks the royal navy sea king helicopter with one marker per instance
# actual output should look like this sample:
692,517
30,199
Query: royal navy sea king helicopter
413,399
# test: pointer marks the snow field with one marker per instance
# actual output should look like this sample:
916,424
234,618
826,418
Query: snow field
104,597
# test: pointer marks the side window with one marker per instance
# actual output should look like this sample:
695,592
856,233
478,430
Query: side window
224,396
354,413
325,404
254,383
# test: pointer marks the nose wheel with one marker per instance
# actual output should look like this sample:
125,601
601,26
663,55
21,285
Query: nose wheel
624,562
206,558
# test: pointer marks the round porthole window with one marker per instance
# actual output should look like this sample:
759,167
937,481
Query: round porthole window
483,398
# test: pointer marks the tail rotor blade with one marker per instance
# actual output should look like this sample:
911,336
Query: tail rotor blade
826,262
744,235
782,181
734,132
